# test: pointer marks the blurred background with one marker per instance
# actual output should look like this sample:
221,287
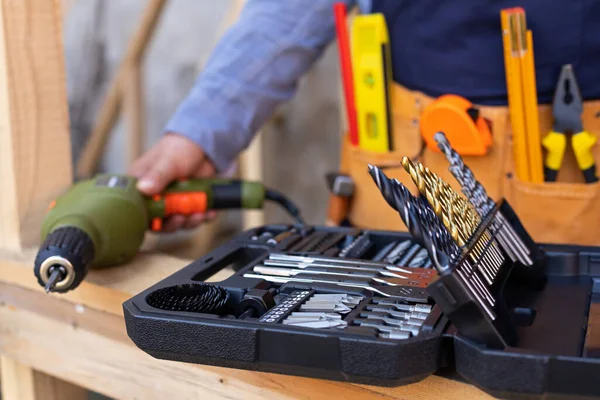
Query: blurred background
298,146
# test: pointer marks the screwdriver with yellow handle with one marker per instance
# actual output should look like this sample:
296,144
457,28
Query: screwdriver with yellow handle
102,221
567,108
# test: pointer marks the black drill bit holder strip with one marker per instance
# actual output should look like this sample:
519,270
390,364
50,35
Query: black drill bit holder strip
547,306
459,301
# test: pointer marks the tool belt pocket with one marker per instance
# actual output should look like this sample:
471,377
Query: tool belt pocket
368,208
566,211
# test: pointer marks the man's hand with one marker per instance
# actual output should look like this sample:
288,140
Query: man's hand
173,157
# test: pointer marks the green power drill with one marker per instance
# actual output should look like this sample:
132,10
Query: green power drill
102,221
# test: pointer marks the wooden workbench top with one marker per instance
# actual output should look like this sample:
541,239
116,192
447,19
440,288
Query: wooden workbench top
80,337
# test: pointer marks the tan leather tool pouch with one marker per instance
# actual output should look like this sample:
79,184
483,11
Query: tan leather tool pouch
567,211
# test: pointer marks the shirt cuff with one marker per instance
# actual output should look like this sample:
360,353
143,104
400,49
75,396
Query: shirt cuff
222,144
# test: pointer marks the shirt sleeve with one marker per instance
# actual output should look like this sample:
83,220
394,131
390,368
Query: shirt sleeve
253,68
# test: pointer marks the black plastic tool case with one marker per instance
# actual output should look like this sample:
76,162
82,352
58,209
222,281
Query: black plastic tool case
549,360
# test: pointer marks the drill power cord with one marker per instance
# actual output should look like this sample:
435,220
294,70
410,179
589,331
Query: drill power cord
286,203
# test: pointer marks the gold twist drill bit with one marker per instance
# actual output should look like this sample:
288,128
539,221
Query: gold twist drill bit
461,214
448,197
441,205
426,190
412,171
426,185
474,219
456,208
457,214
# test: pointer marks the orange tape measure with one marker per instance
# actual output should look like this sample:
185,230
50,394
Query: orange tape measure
469,133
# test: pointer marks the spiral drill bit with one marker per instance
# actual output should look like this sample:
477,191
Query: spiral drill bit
463,174
459,217
425,226
428,230
441,198
477,195
420,220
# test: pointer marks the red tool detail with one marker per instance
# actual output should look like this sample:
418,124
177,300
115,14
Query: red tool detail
346,69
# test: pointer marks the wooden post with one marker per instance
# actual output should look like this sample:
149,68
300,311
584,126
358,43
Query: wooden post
111,107
19,382
35,166
133,109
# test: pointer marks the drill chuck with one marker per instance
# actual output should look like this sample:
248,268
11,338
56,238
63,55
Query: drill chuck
64,259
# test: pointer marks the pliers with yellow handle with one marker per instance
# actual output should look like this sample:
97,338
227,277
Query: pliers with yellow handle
566,110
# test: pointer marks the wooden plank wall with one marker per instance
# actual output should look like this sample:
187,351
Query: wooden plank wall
34,123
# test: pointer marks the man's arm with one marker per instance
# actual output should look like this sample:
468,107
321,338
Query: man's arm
254,67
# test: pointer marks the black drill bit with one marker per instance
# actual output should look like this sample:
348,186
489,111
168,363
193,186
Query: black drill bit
463,174
419,218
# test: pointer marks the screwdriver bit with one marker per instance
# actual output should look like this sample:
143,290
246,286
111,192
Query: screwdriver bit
398,335
384,251
318,324
424,308
398,252
383,329
338,296
392,321
322,307
309,314
398,314
372,322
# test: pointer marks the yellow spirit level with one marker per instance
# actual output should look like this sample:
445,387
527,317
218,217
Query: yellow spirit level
371,63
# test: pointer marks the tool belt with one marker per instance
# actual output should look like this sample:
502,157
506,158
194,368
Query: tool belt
566,211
